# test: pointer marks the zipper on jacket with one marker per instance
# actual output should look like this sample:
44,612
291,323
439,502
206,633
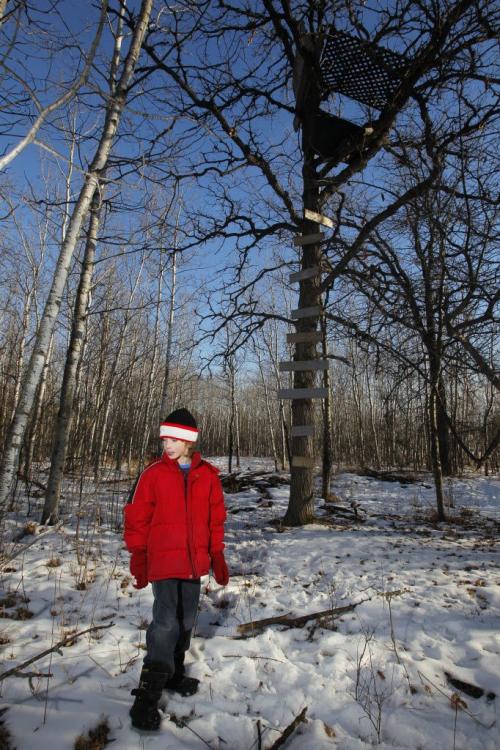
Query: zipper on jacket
186,473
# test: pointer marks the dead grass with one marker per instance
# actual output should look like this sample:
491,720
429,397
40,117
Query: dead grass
96,738
12,607
6,741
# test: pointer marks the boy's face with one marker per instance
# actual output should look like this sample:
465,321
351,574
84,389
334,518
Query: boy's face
177,450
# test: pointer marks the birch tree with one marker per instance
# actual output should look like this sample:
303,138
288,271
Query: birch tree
114,109
50,512
19,78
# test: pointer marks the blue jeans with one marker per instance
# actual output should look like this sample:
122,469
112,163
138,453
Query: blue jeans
174,613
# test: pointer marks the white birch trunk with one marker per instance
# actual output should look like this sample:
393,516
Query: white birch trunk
50,512
22,348
34,371
3,5
30,442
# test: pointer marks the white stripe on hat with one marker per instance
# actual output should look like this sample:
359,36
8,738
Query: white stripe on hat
190,434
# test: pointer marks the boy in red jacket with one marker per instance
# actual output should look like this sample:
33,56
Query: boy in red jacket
174,529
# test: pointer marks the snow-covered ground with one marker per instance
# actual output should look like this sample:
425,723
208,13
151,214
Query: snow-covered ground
428,605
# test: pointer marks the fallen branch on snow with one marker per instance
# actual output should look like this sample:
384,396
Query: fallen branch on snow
468,688
295,622
290,729
60,644
463,705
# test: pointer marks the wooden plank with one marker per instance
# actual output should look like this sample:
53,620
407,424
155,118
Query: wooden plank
308,239
303,462
306,273
313,216
302,366
302,430
303,337
302,393
306,312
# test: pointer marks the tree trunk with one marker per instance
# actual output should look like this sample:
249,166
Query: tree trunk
356,392
232,418
146,432
444,430
237,434
50,513
269,415
106,404
436,453
301,504
34,370
170,333
22,348
327,467
372,419
29,444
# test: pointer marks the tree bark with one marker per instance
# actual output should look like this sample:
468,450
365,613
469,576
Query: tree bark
50,513
327,466
29,443
443,430
435,452
301,504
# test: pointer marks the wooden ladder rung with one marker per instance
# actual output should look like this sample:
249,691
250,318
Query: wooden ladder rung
306,312
303,462
304,337
306,273
311,364
319,218
296,393
308,239
302,430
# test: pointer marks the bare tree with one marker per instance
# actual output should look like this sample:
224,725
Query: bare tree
50,512
230,71
114,110
22,81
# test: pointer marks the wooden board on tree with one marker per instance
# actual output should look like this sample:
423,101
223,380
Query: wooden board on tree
319,218
296,393
304,365
305,273
303,462
304,337
308,239
302,430
306,312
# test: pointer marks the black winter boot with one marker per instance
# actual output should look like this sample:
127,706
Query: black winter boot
178,682
182,685
144,712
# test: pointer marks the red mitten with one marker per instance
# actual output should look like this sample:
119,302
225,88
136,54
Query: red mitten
219,568
139,568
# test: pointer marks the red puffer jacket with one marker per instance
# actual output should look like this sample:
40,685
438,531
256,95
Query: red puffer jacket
177,518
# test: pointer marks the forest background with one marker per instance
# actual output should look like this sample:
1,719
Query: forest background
151,188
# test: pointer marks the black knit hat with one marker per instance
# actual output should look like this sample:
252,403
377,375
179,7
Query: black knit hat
180,424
